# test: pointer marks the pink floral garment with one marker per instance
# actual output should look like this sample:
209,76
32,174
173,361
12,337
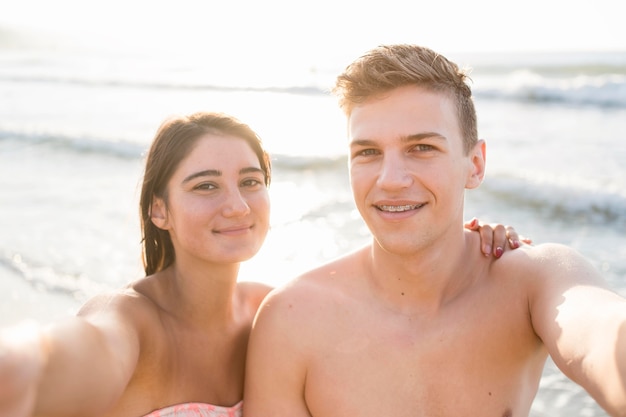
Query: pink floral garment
198,410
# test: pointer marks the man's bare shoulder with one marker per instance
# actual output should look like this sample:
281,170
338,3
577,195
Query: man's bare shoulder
322,280
544,255
547,265
312,295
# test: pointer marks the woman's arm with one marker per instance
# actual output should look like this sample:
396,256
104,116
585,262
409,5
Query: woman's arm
75,367
495,237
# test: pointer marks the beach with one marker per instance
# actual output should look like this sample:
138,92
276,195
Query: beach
74,132
20,301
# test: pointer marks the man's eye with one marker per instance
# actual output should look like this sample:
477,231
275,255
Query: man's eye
367,152
422,147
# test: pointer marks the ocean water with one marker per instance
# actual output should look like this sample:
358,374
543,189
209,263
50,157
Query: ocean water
75,124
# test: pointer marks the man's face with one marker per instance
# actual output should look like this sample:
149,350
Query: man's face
408,169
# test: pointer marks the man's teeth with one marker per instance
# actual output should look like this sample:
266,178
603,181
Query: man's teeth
400,208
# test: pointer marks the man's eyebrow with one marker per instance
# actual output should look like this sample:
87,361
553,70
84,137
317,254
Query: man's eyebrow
362,142
424,135
217,173
408,138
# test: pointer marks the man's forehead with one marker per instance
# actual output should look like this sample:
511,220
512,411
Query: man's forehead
405,111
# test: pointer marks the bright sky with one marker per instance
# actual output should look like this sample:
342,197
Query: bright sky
319,30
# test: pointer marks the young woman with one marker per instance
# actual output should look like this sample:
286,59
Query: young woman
173,343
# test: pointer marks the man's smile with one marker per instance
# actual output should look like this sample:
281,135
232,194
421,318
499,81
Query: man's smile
405,207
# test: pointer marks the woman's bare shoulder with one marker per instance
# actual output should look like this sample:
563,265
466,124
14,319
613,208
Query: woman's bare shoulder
253,293
132,303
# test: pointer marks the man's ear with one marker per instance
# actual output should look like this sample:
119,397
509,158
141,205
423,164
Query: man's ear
478,159
158,213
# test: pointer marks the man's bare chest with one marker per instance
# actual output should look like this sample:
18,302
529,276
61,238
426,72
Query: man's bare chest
398,365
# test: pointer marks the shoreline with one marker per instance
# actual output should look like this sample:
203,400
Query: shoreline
20,301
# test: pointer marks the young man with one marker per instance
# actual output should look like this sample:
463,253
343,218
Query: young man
419,323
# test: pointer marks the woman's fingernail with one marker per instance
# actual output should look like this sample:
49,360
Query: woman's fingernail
499,252
487,250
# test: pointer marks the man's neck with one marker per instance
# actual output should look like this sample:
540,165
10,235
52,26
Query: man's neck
426,279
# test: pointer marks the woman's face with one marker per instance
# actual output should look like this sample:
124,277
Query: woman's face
218,206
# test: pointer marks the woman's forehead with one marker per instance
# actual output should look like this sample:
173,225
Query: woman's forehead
220,151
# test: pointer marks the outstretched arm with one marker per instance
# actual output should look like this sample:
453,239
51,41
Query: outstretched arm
582,323
74,367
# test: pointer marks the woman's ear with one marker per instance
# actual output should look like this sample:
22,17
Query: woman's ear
478,159
158,213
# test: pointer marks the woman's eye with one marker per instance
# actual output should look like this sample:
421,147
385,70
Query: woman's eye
251,182
205,186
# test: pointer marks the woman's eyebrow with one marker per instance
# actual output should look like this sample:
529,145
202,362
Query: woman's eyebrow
217,173
251,169
205,173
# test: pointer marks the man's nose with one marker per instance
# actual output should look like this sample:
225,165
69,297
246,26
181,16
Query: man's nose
393,172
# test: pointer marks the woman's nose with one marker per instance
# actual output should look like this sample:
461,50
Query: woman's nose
235,204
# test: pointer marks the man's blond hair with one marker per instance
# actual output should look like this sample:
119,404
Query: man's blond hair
387,67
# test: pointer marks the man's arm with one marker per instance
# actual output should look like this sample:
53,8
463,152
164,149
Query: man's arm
582,323
275,367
